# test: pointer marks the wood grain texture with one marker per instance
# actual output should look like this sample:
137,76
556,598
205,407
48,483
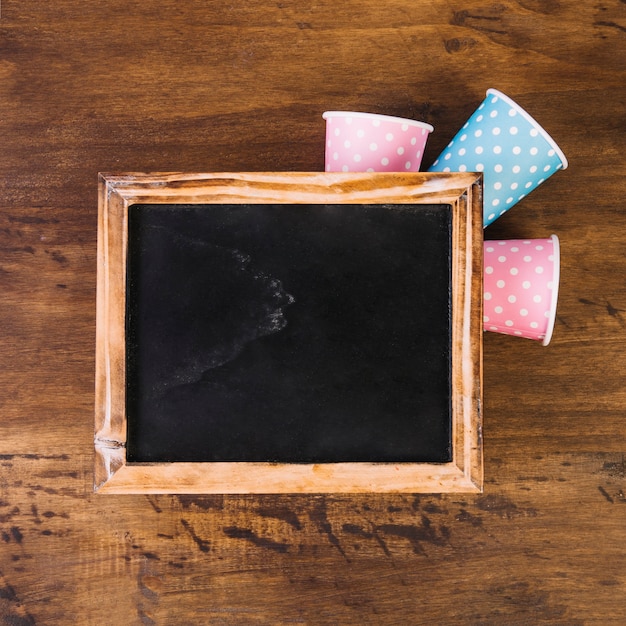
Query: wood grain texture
220,86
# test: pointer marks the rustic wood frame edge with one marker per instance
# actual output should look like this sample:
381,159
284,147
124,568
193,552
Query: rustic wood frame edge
463,191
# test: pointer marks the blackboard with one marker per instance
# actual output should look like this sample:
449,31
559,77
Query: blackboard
289,333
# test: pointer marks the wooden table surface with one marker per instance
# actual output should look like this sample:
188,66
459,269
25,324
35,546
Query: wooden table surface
212,86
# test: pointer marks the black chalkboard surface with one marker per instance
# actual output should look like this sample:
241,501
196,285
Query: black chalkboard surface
288,333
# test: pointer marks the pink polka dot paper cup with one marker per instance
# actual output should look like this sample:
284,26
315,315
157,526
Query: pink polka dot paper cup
367,142
521,284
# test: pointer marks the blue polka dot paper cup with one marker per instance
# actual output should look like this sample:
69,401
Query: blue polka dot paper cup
512,150
368,142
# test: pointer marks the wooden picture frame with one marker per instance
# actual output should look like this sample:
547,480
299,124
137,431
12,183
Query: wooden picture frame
462,192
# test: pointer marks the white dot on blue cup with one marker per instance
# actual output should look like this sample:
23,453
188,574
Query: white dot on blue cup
512,112
497,149
463,137
513,186
497,185
493,114
480,167
517,150
509,200
516,169
446,169
478,149
479,118
478,133
495,130
462,168
495,202
448,155
513,130
534,132
461,152
491,216
533,169
551,152
497,168
534,150
528,184
547,168
373,147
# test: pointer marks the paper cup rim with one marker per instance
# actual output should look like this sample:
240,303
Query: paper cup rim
556,275
379,116
533,121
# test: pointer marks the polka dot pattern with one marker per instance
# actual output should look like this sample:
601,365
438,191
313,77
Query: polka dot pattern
504,142
366,142
521,282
